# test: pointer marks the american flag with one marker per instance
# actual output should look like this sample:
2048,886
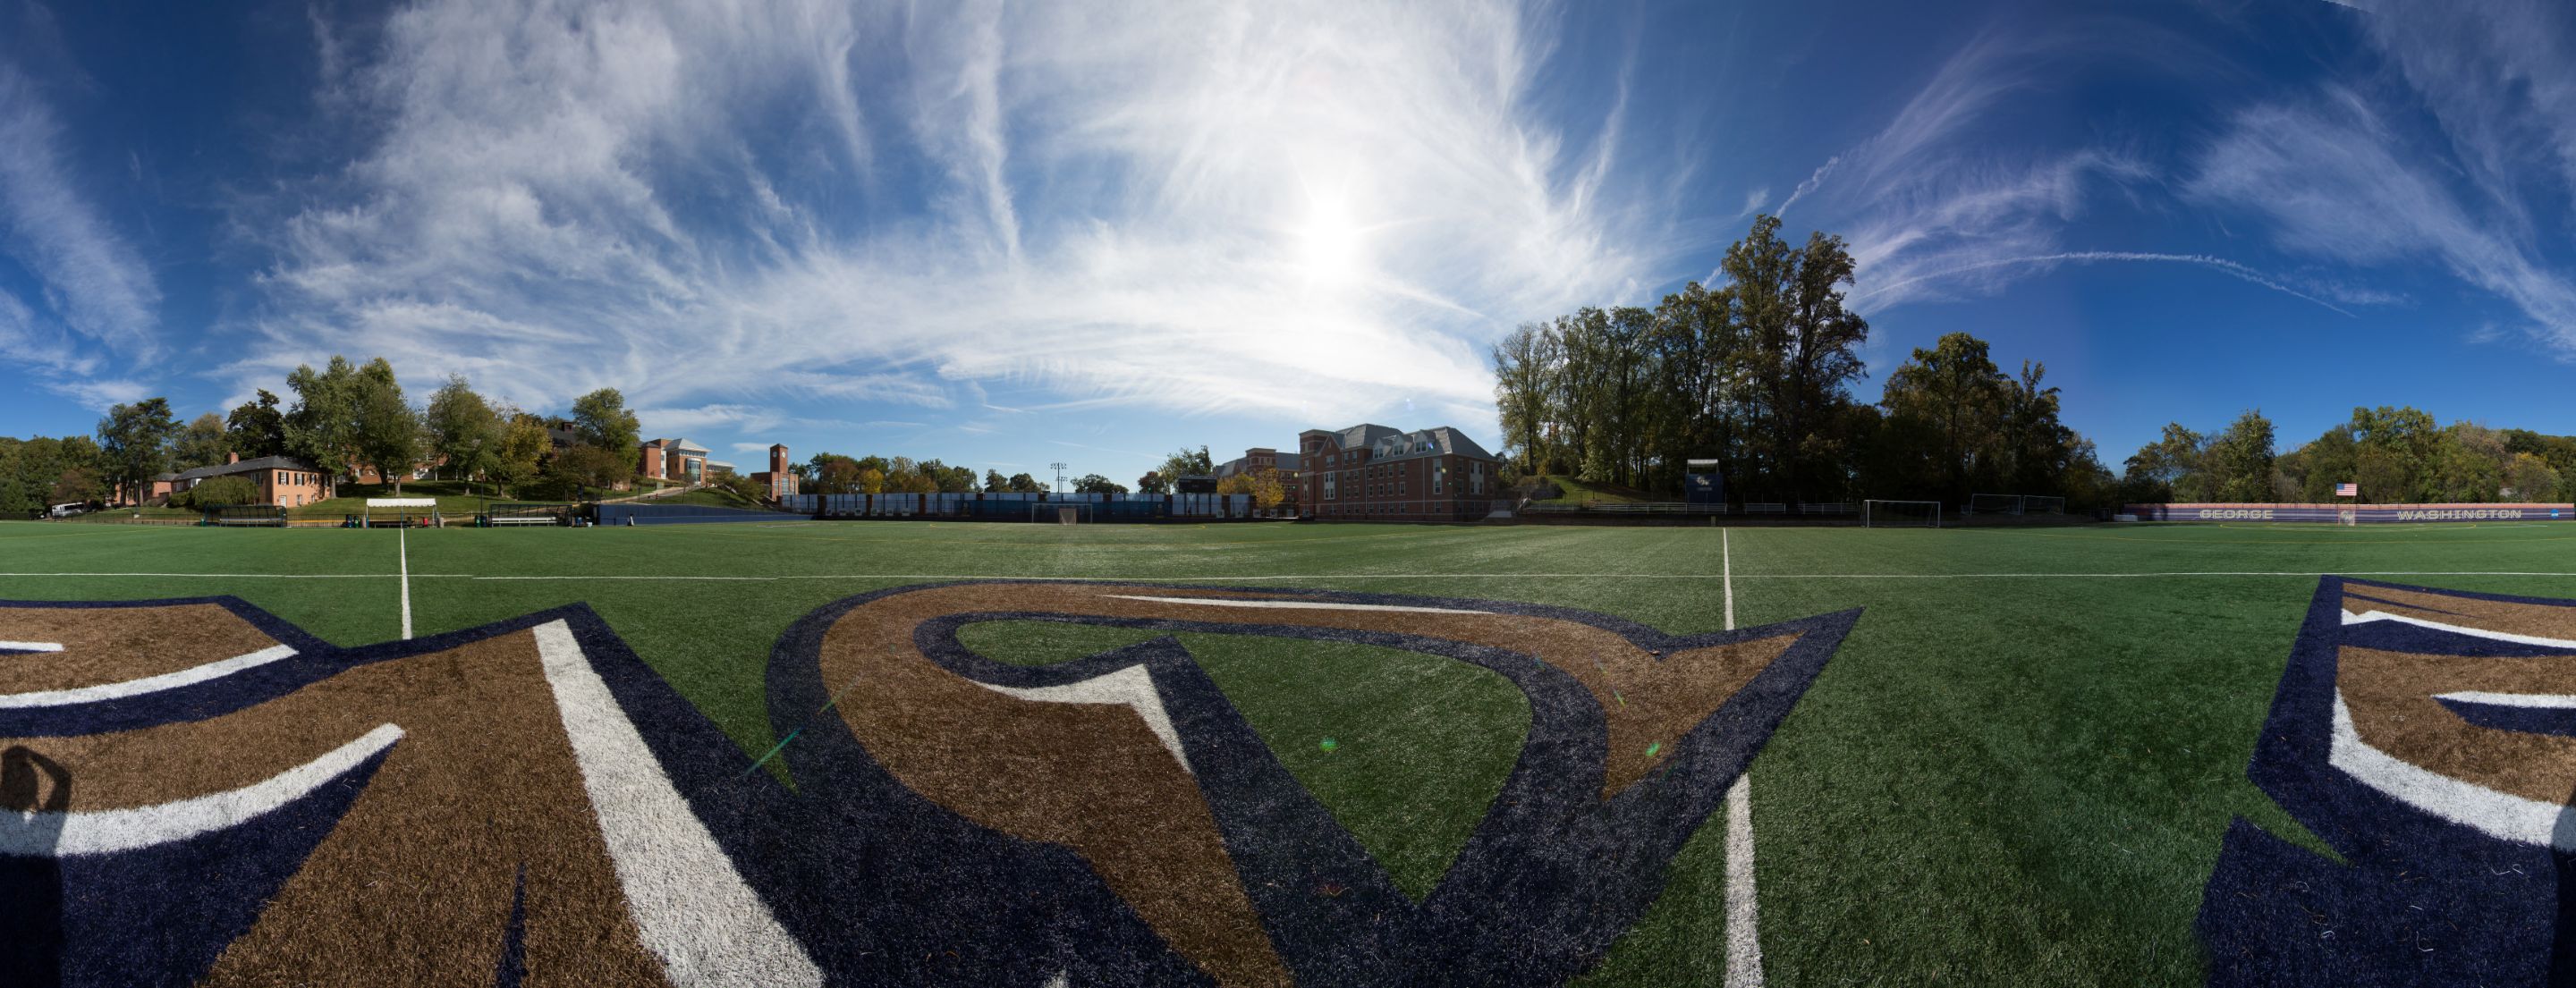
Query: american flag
2347,490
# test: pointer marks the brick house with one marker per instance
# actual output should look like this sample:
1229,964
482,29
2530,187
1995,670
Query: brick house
282,480
1375,473
779,478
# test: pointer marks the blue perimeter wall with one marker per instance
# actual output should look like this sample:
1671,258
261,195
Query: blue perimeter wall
2364,513
685,514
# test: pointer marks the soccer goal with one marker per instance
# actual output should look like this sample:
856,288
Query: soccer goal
1060,513
1900,514
400,512
2035,504
1994,504
247,516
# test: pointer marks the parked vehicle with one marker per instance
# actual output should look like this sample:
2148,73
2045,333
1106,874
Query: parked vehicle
65,510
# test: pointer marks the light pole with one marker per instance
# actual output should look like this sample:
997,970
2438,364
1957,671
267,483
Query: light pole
1059,476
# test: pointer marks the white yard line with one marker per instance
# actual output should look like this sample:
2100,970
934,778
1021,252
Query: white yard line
402,548
237,576
1743,907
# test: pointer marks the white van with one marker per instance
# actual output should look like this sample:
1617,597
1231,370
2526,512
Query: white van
64,510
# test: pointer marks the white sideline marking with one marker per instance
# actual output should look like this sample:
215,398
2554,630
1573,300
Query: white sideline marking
402,546
147,684
2367,617
31,646
1166,578
2503,815
67,834
690,905
1743,906
1130,687
1310,605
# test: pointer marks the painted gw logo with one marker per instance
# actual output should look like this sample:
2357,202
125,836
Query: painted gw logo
2429,737
197,792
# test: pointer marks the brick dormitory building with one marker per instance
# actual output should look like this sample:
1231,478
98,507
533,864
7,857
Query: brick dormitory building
1372,472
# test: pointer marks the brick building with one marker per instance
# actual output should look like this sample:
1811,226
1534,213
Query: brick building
282,480
1374,473
673,459
780,478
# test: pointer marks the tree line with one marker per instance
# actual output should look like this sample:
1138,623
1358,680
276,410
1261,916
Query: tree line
1757,373
836,473
2393,455
343,420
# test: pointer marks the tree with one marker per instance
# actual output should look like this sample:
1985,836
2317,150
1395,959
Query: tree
1521,370
585,466
256,428
1268,490
389,434
2166,470
2400,448
322,427
1802,345
2239,460
1955,390
993,482
135,441
1022,483
600,419
1092,483
838,475
464,430
1185,462
869,480
523,447
1240,483
2530,478
202,444
79,484
1153,482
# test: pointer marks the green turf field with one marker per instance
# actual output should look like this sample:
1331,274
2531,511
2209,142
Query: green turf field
2016,770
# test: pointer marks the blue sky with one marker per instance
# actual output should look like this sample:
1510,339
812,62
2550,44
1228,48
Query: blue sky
1012,234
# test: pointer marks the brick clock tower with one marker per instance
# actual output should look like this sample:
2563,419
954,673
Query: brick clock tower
781,479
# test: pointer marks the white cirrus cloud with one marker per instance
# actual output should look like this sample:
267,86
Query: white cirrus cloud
98,296
1246,206
1948,200
2331,180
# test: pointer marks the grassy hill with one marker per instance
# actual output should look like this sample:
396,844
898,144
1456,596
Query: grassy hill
1580,492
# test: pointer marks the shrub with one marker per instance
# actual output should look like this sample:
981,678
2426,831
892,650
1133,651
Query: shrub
220,492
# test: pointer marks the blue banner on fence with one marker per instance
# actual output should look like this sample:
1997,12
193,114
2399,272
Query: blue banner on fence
2366,514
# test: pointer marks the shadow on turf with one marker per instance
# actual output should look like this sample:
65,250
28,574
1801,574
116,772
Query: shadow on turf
34,792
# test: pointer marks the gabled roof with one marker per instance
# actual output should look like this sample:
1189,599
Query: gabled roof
245,466
676,443
1387,444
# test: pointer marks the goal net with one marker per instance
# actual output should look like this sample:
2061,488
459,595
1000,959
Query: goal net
400,512
1900,514
247,515
1994,504
2034,504
1060,513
